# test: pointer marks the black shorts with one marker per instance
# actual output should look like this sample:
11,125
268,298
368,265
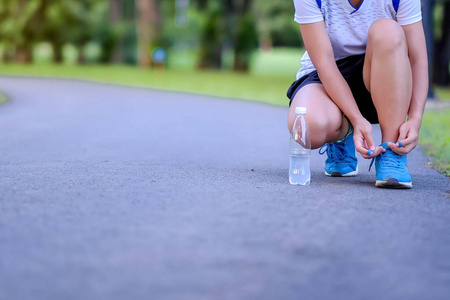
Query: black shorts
352,70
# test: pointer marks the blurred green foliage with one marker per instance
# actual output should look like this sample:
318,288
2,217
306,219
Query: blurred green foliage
28,22
216,30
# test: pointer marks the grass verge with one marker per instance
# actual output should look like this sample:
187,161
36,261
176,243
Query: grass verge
256,87
435,134
435,138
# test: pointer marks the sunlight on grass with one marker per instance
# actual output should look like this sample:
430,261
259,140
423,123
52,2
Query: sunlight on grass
435,133
435,138
443,93
280,61
264,88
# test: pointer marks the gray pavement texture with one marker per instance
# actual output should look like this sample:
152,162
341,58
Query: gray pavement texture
112,192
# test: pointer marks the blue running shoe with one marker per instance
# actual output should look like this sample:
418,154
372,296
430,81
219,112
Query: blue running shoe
341,161
391,170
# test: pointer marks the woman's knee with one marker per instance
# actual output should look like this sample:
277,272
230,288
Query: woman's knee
322,127
324,118
387,35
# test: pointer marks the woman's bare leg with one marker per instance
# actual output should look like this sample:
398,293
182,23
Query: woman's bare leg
387,75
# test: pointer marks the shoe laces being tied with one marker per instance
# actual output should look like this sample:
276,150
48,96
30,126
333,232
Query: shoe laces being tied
390,159
335,151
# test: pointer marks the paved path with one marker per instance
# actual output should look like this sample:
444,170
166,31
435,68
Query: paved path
110,192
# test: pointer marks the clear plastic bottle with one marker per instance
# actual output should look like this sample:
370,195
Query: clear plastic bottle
300,150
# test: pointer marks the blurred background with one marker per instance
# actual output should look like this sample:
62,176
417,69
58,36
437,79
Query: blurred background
232,35
246,49
182,34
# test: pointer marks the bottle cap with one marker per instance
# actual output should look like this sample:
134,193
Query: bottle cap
300,110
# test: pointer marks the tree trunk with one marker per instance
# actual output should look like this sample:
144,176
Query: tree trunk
228,23
24,54
6,57
58,53
147,29
245,38
81,55
114,11
211,41
114,18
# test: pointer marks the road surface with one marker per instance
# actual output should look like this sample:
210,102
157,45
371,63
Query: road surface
111,192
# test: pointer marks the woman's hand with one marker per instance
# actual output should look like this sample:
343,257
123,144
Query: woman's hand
362,137
408,137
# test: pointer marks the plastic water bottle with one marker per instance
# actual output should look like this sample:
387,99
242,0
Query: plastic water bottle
300,150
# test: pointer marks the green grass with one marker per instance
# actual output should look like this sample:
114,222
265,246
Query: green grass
443,93
271,74
258,87
278,62
435,138
435,134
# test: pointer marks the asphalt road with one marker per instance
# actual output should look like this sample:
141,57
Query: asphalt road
110,192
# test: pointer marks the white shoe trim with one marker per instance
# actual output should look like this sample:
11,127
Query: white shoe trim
395,184
350,174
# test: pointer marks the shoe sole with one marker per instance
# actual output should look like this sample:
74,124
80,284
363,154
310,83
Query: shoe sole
393,183
337,174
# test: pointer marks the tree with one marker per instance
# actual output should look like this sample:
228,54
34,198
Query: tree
211,38
87,15
26,23
19,28
115,33
60,20
115,18
148,29
275,24
229,23
244,36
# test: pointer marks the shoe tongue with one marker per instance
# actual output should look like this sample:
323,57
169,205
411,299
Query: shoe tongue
385,146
